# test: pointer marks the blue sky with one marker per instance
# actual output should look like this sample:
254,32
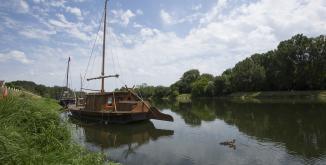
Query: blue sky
151,42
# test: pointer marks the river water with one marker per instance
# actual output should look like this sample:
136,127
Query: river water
265,132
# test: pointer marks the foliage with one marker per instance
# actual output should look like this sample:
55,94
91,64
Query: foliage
31,133
144,90
222,84
248,75
203,86
161,91
184,85
44,91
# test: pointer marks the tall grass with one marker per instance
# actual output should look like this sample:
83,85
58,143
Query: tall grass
31,133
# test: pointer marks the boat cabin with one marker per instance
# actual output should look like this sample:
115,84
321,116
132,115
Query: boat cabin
115,101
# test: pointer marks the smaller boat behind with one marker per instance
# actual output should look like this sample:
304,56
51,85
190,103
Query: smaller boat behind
67,97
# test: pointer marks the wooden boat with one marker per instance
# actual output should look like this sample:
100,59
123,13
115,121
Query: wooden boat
114,107
66,96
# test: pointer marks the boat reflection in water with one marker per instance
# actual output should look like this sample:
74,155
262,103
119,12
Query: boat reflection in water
125,137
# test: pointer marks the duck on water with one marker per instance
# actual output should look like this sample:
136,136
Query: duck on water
230,143
114,107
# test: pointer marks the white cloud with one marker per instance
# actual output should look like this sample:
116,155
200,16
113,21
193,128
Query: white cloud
173,19
23,5
126,16
166,17
9,22
139,12
122,17
76,30
62,22
37,33
38,1
145,32
196,7
15,55
19,6
79,1
136,25
216,12
74,10
58,3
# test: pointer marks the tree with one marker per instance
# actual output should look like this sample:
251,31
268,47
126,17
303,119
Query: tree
145,91
317,61
185,83
200,86
161,92
210,89
222,84
248,76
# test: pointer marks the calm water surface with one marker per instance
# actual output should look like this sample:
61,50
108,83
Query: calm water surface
265,133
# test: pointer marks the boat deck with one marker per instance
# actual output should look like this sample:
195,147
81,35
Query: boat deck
81,108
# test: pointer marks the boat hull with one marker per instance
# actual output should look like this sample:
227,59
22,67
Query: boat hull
118,117
106,118
65,102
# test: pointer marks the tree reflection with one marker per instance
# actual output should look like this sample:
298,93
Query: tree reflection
301,127
192,113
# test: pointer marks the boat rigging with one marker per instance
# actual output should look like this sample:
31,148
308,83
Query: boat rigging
114,107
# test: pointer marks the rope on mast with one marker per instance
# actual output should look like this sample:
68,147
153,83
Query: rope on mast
93,47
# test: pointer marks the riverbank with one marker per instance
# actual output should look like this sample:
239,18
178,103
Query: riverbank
31,132
280,94
319,95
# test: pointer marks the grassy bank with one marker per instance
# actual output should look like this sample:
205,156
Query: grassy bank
281,95
276,95
183,98
31,132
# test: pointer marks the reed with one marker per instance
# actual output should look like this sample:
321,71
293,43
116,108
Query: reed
31,132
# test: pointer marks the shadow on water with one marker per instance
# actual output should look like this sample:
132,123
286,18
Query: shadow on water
131,136
300,127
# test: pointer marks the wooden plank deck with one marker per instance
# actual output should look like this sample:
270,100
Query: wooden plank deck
80,108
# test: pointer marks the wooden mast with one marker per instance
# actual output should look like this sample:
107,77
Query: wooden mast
81,83
102,76
67,78
103,55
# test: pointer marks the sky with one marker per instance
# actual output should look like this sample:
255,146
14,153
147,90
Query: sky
152,42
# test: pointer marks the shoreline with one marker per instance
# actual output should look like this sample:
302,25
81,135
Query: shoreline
316,95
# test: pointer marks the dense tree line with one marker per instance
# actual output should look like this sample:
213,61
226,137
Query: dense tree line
44,91
297,64
146,91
